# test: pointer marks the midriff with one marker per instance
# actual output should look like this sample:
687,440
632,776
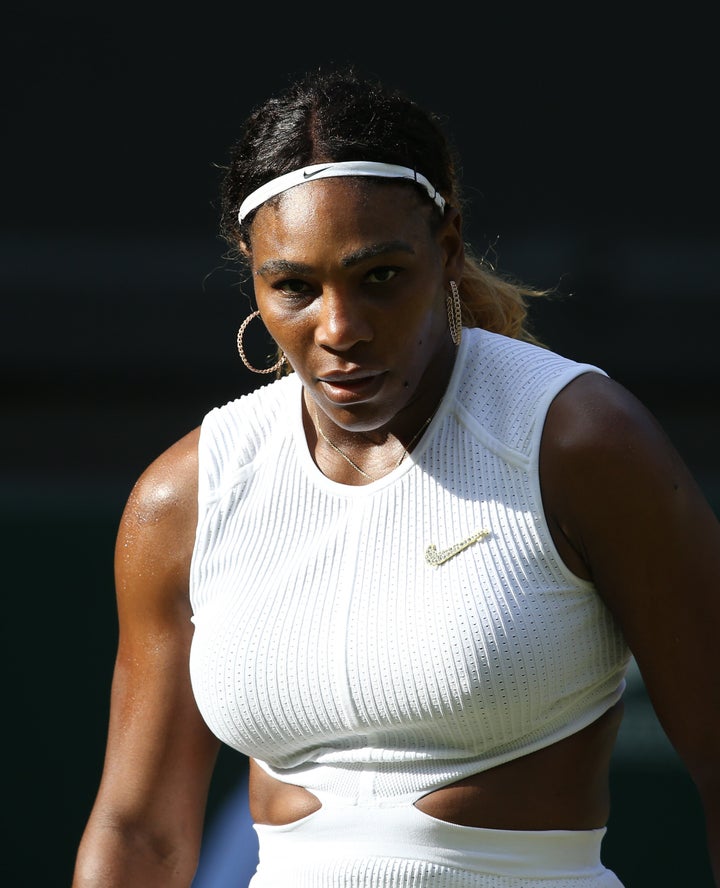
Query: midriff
564,786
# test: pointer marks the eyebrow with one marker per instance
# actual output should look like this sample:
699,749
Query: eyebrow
285,266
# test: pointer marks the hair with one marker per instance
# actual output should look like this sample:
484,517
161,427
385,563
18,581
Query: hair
339,115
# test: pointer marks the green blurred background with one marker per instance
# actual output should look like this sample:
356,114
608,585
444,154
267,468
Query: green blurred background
589,155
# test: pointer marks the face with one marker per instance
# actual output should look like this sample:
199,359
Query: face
351,281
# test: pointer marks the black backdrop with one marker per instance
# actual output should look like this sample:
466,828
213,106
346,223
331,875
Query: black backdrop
589,159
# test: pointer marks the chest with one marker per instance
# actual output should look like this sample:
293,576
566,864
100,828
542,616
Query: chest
325,617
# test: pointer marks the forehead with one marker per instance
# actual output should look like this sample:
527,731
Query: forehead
343,210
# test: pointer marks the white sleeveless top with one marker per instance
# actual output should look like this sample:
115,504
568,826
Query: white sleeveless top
330,650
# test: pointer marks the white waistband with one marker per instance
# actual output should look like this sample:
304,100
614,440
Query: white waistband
335,834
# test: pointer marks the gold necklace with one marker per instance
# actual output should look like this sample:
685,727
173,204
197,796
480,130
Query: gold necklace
352,463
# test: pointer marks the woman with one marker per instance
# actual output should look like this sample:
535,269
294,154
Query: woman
406,577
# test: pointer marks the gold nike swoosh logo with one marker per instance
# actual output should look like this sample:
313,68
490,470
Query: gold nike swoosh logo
433,557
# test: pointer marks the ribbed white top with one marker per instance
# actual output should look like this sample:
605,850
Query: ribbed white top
327,647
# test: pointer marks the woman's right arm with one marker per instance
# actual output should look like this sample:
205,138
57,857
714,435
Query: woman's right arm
146,824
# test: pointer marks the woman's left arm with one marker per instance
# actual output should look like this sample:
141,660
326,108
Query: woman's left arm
619,493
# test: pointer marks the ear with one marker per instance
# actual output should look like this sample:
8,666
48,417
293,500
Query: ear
450,241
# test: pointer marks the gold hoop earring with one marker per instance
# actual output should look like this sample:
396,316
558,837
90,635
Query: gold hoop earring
241,349
454,312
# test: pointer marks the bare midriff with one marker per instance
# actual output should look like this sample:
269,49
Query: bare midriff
564,786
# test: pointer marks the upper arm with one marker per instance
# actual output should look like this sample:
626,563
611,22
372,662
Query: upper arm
160,755
621,493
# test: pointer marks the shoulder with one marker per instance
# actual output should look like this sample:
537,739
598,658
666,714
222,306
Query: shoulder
249,418
497,362
597,432
595,418
509,385
235,434
157,528
614,483
168,486
487,345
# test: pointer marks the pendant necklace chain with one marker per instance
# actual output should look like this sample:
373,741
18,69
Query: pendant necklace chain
352,463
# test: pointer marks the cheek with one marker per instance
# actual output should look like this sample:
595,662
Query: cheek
292,330
427,328
418,342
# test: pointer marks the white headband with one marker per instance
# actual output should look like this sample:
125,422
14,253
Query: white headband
325,170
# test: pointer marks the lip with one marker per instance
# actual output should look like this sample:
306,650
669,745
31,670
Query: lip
351,387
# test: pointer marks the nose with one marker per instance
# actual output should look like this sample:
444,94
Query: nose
343,321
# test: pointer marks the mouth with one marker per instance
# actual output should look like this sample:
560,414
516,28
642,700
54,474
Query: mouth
352,387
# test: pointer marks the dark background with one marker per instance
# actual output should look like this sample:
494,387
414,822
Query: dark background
590,151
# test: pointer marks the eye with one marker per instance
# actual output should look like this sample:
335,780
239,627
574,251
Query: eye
292,287
382,275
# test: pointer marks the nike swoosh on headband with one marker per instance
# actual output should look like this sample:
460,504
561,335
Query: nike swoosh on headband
309,172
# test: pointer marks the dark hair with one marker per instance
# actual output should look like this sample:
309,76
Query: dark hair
338,115
335,116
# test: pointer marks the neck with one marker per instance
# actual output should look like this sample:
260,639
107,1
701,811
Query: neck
355,466
360,457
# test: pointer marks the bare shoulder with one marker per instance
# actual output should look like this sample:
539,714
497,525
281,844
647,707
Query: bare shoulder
594,414
614,483
157,529
167,489
600,439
